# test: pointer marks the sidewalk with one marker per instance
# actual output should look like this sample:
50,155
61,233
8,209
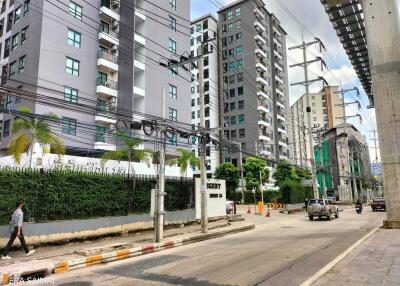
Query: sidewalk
82,254
375,262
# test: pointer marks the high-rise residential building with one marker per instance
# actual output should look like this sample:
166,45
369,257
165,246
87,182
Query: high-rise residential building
325,112
103,54
204,28
254,86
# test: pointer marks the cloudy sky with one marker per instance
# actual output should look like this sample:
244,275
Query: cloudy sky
308,17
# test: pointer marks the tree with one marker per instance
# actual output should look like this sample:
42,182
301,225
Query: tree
129,153
292,191
28,132
185,160
253,166
284,171
229,173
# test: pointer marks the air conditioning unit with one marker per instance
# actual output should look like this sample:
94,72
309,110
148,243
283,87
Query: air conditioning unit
113,100
114,48
112,127
115,25
107,84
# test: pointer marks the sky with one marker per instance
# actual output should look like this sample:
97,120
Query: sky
308,18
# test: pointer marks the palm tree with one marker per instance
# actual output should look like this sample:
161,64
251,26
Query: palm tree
185,160
129,153
28,132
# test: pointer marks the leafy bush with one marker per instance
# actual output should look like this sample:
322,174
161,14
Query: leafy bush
60,195
292,191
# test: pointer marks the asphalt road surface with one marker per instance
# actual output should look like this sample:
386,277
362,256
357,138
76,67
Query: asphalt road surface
282,250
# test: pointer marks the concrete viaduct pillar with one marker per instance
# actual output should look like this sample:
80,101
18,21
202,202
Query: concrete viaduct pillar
382,20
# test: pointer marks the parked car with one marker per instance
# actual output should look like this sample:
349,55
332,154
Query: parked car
378,204
229,207
322,208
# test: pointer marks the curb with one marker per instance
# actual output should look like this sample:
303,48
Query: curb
336,260
78,263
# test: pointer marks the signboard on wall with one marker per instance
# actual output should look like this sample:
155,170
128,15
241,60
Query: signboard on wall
216,197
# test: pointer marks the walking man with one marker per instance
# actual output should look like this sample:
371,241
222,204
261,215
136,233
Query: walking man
16,230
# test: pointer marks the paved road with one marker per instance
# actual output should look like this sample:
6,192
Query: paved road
283,250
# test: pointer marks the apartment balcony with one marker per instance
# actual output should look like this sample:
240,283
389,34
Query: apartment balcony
282,130
139,92
262,109
140,39
264,137
278,79
278,55
279,91
258,13
280,117
276,31
261,67
284,157
266,153
139,66
260,39
278,66
109,10
259,27
107,87
261,80
104,146
260,53
282,143
280,104
103,118
263,94
139,16
278,44
264,122
107,61
108,37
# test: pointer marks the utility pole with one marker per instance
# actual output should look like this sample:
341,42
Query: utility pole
346,145
376,147
159,196
307,84
353,175
241,168
203,184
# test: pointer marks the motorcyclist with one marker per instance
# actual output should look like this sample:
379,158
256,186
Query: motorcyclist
359,204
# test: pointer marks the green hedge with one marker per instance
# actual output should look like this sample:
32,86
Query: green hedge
60,195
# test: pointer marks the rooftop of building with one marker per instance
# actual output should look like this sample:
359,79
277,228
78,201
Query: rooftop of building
201,18
314,93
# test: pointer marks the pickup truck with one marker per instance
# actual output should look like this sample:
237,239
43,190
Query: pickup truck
322,208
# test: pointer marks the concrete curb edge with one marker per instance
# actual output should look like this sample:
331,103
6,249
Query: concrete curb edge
77,263
336,260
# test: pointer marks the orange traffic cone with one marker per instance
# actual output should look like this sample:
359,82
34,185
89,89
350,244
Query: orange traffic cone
249,211
268,213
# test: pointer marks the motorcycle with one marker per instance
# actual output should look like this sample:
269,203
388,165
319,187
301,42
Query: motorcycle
358,209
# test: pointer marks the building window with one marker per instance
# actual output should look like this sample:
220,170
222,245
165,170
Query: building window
13,68
17,15
75,10
173,91
240,91
172,23
237,12
192,30
230,15
71,94
26,7
239,50
173,114
232,79
10,18
233,134
233,120
242,134
14,42
206,61
230,27
238,24
172,4
174,71
198,39
230,40
68,126
100,134
223,28
192,42
231,66
193,115
232,93
239,77
198,27
173,140
21,64
241,118
172,46
9,101
238,37
6,128
239,64
24,35
72,66
101,105
241,104
74,38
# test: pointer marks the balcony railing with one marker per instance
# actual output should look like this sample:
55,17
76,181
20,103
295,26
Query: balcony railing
108,31
107,83
108,56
